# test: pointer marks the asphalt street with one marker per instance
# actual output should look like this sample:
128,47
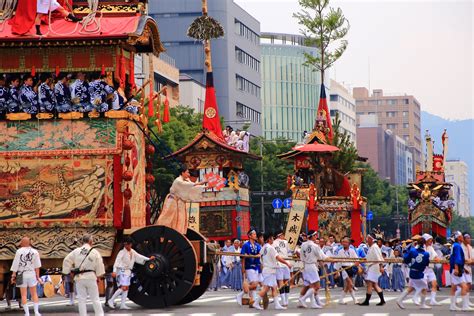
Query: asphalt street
223,303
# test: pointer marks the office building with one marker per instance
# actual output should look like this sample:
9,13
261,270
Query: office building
456,173
235,57
398,113
290,90
192,93
343,104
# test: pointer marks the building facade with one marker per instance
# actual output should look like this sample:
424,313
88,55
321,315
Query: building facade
235,57
192,93
343,104
290,90
456,173
398,113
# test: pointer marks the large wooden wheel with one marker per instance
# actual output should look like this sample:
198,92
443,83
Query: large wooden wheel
206,274
168,278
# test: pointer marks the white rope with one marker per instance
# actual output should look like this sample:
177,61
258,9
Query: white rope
7,7
90,24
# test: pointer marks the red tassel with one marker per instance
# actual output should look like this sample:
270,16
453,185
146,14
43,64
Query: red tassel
166,111
33,70
123,73
102,71
127,216
148,215
150,103
131,78
57,71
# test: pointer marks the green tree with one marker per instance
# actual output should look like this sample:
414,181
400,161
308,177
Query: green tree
323,27
344,159
463,224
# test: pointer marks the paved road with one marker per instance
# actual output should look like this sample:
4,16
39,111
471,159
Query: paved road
223,303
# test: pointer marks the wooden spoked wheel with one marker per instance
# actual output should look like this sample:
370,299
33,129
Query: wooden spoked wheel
168,278
206,274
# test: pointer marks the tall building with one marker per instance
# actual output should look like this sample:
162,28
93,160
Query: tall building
192,93
456,172
290,90
398,113
387,153
235,57
342,103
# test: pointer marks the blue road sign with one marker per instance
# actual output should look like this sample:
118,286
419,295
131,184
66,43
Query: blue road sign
370,215
287,203
277,203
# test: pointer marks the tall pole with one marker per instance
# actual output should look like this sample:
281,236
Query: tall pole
398,220
261,186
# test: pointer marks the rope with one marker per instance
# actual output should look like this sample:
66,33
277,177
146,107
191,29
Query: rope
7,7
89,21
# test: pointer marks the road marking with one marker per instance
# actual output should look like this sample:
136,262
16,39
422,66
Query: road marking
332,314
202,314
160,314
211,299
245,314
445,301
411,314
288,314
376,314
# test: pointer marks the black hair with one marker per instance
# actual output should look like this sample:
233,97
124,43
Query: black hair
27,76
95,75
61,76
45,76
128,240
183,168
260,234
267,236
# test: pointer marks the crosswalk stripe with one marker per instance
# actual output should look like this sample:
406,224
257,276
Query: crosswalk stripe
288,314
332,314
211,299
161,314
202,314
376,314
414,314
445,301
245,314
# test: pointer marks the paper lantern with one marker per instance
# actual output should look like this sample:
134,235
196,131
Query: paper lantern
150,149
127,175
127,193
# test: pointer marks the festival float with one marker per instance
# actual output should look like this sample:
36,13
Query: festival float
66,174
323,199
430,205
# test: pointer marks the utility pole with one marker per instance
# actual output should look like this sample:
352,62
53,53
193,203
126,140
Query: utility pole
398,220
261,186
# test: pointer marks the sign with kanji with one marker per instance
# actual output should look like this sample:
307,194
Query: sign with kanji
295,221
193,216
215,181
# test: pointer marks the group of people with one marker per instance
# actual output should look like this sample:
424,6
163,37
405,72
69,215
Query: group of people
83,92
267,264
237,139
85,267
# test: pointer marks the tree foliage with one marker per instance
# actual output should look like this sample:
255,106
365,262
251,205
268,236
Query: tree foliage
323,27
344,159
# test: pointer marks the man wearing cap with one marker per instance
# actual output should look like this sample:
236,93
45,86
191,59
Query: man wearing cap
126,259
469,257
250,266
418,259
310,254
348,272
374,270
283,273
456,268
270,260
429,272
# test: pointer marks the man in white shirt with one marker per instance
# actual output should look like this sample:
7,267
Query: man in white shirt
310,254
469,261
347,273
25,268
374,271
124,262
283,273
429,272
270,259
87,266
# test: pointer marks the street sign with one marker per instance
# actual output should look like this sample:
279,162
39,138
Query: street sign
277,210
400,217
370,215
277,203
287,203
286,210
268,193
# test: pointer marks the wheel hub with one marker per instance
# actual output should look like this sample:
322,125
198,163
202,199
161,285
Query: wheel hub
157,267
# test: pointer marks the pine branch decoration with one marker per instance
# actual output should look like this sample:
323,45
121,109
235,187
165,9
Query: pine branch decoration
205,28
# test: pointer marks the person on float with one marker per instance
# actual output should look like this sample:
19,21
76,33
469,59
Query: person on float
310,253
457,264
418,260
347,273
469,257
46,97
62,94
3,96
270,259
100,92
80,96
250,266
28,96
122,270
182,191
374,270
13,100
33,12
87,266
283,273
25,274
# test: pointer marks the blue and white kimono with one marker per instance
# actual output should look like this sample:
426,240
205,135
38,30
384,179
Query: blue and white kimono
3,100
117,101
63,98
236,278
46,98
13,101
98,91
80,91
29,100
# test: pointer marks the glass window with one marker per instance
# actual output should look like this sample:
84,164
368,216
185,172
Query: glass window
391,114
392,126
405,125
333,97
392,101
405,113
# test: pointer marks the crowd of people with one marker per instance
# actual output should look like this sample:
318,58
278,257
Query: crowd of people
268,264
237,139
48,93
